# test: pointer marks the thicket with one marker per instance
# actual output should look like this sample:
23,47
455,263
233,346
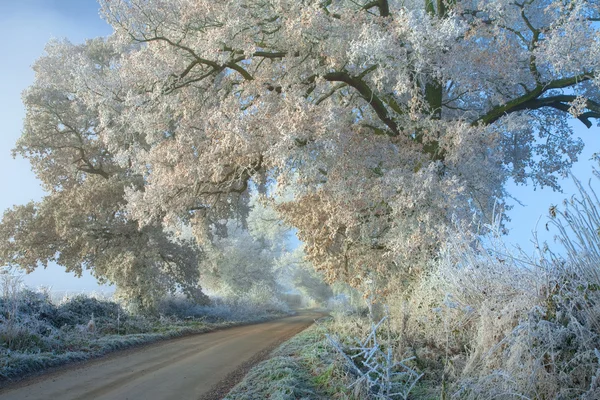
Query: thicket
487,321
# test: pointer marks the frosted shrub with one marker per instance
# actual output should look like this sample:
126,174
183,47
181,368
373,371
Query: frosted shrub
551,352
27,334
468,300
295,301
491,324
80,308
177,306
36,333
259,300
25,318
579,233
30,321
263,296
372,363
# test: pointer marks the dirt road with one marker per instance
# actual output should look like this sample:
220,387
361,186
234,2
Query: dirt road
195,367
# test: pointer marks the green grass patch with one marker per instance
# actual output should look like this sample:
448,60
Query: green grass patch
304,367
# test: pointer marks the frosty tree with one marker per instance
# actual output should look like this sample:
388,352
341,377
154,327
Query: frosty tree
82,223
386,119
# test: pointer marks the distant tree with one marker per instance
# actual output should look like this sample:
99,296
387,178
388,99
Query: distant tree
308,281
386,119
238,261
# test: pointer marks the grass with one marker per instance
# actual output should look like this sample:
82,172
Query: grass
304,367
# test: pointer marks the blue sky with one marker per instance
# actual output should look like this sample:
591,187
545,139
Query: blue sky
534,211
26,26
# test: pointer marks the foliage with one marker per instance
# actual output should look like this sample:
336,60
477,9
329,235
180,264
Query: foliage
308,281
81,223
255,259
260,302
238,261
485,322
578,225
373,129
383,121
82,228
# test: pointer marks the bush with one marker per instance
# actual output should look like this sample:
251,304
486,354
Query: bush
81,307
485,322
340,305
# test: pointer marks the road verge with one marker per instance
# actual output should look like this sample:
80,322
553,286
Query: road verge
305,366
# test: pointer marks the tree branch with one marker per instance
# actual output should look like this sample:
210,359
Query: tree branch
528,99
330,93
382,5
561,102
245,74
366,93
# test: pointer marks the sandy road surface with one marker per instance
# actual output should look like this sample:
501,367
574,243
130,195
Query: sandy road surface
194,367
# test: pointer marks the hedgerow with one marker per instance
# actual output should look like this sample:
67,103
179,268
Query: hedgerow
37,333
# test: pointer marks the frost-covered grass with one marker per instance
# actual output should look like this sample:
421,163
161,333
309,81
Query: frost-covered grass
37,333
304,367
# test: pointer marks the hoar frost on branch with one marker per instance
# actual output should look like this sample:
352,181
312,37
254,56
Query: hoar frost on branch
386,119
